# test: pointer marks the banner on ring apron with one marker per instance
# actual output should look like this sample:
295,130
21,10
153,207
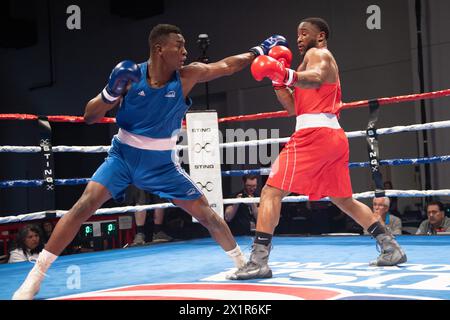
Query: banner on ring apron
204,156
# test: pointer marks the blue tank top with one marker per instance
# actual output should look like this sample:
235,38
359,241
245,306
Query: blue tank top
150,112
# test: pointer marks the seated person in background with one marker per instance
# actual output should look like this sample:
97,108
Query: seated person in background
393,207
380,208
47,228
29,242
138,197
436,222
241,217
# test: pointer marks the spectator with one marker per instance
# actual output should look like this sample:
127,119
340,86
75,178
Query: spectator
29,242
241,218
393,207
380,208
135,196
47,228
436,222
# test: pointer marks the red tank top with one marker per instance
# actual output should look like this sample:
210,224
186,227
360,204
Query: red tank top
326,99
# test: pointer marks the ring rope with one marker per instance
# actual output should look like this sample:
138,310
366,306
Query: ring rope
38,183
98,149
31,149
349,105
258,116
351,134
230,173
289,199
58,118
388,162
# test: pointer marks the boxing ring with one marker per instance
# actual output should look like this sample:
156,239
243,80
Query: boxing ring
304,268
318,268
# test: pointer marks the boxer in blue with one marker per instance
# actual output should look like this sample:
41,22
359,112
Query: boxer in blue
153,99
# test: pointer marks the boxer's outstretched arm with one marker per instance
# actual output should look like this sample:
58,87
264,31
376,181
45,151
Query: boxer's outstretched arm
225,67
201,72
197,72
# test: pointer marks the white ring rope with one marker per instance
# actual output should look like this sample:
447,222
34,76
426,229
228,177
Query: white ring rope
351,134
128,209
27,149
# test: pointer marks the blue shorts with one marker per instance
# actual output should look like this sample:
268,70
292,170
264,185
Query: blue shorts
149,170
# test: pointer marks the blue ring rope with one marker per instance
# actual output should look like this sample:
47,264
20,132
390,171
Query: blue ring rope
229,173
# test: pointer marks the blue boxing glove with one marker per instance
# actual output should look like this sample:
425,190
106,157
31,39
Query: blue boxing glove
269,43
124,72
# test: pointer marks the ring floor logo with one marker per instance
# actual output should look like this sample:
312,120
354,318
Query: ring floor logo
360,281
301,281
210,290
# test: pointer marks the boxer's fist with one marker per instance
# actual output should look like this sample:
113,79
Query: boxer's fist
282,54
267,67
121,75
263,48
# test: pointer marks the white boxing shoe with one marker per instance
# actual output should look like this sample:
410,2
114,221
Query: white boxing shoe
30,287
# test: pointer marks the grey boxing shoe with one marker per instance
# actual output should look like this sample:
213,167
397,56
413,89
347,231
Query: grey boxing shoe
391,252
139,240
257,267
161,236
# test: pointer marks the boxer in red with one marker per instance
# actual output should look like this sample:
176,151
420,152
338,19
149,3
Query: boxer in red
315,160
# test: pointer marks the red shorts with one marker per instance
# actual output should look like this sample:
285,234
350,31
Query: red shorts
314,162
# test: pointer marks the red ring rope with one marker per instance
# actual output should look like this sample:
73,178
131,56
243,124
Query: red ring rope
249,117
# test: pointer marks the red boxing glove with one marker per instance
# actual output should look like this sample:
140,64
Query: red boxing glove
267,67
282,54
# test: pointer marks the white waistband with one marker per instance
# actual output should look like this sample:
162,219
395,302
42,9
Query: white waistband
146,143
314,120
